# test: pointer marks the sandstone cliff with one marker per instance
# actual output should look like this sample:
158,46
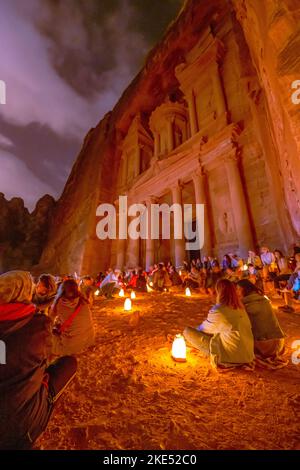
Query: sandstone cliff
261,61
23,235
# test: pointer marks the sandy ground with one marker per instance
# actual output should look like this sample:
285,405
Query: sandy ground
130,394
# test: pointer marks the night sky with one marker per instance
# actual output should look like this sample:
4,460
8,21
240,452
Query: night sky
65,64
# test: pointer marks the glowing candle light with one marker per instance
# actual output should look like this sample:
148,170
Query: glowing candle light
245,267
121,293
179,349
149,288
188,292
97,292
180,272
151,284
132,295
127,305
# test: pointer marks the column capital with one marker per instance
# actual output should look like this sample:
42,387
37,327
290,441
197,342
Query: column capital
151,200
177,185
232,157
200,172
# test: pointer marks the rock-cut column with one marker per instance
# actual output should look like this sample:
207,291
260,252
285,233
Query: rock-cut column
201,197
150,242
192,113
179,244
238,204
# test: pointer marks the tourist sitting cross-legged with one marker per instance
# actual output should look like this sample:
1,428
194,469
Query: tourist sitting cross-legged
45,292
268,336
73,323
141,282
175,277
161,279
194,279
225,336
110,284
28,388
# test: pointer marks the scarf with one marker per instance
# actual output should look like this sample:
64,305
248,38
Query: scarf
15,311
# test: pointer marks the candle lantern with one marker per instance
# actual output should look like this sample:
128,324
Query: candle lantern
188,292
132,295
121,293
179,349
127,305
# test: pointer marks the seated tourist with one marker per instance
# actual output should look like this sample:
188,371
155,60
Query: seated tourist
141,282
226,263
236,261
169,266
225,336
186,266
175,277
254,259
45,291
206,263
110,284
212,277
28,388
268,336
266,256
231,275
288,290
161,279
283,271
72,320
296,286
254,276
131,284
194,279
87,289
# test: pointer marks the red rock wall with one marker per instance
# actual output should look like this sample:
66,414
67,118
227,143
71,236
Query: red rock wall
261,39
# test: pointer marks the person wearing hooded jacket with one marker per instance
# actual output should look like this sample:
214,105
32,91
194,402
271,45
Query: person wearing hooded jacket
267,333
28,386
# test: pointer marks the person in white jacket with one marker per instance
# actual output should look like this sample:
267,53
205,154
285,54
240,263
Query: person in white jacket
225,336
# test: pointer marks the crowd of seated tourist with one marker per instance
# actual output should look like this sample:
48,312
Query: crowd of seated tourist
45,323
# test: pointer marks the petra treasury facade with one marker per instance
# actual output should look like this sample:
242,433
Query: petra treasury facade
210,119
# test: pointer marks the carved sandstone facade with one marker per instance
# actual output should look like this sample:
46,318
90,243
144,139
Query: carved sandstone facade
208,120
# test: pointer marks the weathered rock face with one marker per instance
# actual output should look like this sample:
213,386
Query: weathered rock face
23,235
209,119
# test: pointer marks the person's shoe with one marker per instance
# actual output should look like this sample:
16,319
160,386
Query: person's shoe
286,308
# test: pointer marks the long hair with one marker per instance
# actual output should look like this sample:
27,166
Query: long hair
248,287
227,294
68,289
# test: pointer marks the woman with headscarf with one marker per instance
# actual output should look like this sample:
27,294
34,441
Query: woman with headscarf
73,321
28,388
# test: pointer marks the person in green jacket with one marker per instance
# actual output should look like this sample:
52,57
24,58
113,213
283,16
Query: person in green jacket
267,333
225,336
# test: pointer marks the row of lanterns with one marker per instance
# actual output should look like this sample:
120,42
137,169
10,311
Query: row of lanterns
133,294
179,346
